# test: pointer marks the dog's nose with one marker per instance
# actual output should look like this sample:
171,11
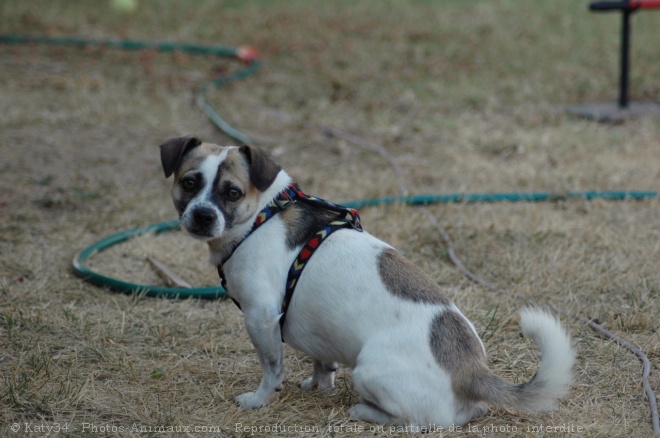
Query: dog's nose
204,216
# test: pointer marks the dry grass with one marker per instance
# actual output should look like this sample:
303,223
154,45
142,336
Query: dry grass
465,95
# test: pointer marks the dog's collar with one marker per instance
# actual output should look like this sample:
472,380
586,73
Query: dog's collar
348,218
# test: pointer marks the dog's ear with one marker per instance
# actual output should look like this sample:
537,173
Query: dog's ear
173,150
263,168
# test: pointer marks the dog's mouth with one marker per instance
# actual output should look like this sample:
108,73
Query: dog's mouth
197,231
200,234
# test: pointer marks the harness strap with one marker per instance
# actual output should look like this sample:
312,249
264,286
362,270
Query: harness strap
349,219
285,198
306,253
223,283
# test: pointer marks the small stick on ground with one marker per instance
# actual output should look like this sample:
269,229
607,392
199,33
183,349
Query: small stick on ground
646,370
167,274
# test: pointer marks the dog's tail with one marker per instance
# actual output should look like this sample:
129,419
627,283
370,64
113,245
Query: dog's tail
552,379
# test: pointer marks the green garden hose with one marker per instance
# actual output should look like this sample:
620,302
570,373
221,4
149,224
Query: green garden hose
97,279
503,197
249,57
217,291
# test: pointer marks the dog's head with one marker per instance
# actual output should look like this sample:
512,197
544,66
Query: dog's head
217,188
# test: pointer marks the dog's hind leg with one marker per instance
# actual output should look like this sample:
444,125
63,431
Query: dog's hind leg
366,411
377,402
323,376
400,387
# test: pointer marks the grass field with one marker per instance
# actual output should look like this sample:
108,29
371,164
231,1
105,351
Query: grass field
466,96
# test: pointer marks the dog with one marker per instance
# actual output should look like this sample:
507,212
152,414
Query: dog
416,359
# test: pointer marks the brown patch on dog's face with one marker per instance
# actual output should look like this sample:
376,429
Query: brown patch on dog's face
234,175
405,280
194,157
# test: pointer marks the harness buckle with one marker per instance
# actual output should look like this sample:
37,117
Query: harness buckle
285,198
355,221
283,202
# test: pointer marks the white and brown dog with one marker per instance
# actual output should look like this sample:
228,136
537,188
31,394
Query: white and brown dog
416,359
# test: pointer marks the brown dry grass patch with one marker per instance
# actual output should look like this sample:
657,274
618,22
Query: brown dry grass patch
465,95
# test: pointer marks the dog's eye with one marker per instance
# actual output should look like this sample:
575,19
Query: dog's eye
233,193
189,184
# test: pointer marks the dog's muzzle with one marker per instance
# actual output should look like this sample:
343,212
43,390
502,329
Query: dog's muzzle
201,222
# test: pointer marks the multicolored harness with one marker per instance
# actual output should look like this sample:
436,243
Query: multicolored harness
348,218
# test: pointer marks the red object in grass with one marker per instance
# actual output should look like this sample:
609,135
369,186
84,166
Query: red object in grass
628,5
247,54
648,4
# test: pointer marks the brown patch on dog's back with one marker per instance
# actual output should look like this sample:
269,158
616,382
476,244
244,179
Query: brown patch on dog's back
405,280
457,349
453,342
302,221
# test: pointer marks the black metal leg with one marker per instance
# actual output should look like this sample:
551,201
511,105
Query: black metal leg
623,109
625,58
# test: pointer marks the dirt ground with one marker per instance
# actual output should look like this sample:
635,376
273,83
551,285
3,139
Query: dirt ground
464,96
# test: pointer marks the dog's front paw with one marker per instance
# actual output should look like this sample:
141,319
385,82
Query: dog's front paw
252,400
